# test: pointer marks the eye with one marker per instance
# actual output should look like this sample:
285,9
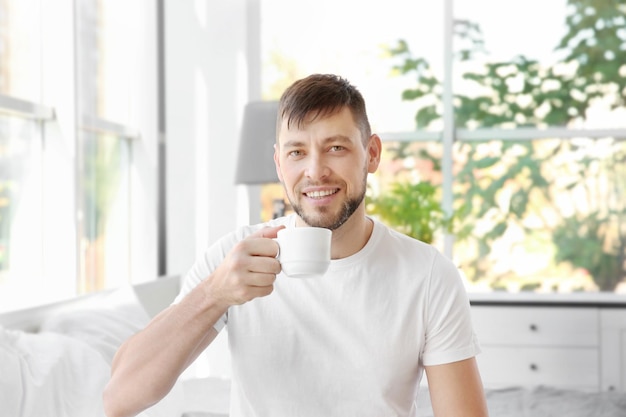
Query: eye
336,148
295,153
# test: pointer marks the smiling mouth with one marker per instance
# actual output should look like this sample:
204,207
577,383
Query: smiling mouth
321,194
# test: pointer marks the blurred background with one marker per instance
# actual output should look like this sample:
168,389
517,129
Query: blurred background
503,126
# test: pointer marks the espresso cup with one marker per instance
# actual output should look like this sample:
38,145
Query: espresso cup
304,252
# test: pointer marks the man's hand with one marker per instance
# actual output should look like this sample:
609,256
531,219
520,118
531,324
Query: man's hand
248,271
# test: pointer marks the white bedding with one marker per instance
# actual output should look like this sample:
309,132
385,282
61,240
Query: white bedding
62,370
545,402
209,397
34,367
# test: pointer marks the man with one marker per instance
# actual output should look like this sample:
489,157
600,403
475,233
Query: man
351,343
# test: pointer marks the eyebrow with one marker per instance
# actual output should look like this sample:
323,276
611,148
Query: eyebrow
331,139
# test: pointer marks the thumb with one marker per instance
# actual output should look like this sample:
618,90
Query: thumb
267,232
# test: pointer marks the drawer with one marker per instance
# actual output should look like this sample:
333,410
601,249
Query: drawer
528,367
536,326
613,349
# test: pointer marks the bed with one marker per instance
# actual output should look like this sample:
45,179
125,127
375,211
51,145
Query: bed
545,402
506,402
55,361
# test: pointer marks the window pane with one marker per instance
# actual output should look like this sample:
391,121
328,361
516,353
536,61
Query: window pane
105,189
20,57
406,191
21,208
561,67
351,38
545,215
106,57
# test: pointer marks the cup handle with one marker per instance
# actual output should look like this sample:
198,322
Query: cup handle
277,253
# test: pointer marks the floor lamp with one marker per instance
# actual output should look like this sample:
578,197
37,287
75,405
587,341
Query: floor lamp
255,162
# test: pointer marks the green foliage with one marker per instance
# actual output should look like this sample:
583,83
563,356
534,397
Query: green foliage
596,240
523,92
103,164
582,241
412,209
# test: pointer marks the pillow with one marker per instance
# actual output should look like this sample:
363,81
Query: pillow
103,322
48,374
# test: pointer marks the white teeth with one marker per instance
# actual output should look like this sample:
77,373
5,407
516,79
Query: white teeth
318,194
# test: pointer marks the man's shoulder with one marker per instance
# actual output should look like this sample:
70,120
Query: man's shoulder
406,248
389,234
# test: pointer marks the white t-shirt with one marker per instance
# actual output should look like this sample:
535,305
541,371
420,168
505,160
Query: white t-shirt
351,343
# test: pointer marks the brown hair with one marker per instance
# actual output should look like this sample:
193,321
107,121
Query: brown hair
321,95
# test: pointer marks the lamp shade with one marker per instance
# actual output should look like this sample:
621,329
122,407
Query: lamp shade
255,162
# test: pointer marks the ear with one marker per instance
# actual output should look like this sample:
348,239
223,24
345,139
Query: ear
277,163
374,151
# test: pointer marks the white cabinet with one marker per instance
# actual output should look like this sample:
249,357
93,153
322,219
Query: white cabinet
565,345
613,349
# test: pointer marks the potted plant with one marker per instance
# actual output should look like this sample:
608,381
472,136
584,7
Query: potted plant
413,209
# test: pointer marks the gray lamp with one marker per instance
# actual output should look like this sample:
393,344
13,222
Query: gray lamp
255,163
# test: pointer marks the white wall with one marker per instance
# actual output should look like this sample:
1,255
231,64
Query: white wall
144,179
206,89
209,77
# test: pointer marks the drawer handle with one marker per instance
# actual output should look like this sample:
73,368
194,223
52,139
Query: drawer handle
533,327
534,367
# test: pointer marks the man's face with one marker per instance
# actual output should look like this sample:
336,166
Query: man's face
323,166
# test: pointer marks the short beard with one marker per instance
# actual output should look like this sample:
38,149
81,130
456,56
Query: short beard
320,220
349,207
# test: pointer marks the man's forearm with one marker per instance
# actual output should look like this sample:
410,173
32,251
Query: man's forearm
148,364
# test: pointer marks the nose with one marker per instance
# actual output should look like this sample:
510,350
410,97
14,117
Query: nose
316,168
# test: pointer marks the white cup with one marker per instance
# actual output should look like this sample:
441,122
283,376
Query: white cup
304,252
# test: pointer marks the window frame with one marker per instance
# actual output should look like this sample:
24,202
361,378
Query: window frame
58,111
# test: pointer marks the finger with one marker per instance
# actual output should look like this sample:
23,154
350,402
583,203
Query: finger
259,279
268,232
255,284
256,292
264,265
260,247
245,293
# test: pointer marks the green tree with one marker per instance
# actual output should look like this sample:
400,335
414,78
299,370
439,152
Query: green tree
522,92
413,209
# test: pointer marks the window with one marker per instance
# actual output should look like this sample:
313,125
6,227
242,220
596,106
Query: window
524,146
77,131
105,204
21,205
104,52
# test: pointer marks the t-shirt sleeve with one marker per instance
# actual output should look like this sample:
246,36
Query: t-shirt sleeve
204,266
449,333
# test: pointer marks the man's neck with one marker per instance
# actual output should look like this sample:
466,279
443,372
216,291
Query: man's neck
352,236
